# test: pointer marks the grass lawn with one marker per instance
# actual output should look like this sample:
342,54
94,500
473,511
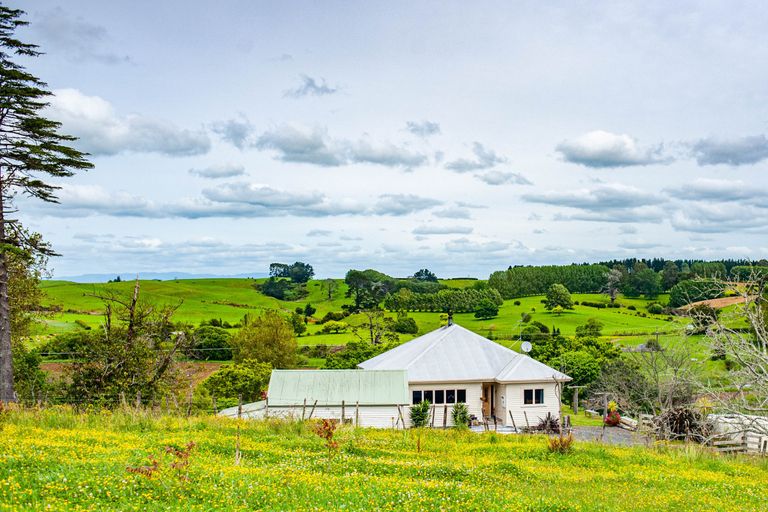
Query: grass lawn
59,460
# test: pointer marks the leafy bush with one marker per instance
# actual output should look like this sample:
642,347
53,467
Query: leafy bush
420,414
210,343
486,309
460,415
71,345
333,326
405,325
336,316
517,303
655,308
248,380
548,424
590,304
694,290
631,307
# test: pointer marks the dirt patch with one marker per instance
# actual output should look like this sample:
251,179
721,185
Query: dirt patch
717,303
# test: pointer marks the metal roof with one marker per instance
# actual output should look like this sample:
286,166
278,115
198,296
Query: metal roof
330,387
453,353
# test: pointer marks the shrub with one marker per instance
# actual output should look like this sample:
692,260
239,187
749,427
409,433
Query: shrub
560,444
517,303
631,307
333,326
549,424
655,308
460,415
686,292
210,344
232,381
590,304
420,414
405,325
336,316
486,309
612,419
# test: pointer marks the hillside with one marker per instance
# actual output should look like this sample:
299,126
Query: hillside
59,460
230,299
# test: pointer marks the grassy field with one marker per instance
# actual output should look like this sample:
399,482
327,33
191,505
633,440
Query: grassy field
230,299
59,460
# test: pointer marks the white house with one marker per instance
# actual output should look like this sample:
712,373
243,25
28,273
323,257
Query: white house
446,366
453,364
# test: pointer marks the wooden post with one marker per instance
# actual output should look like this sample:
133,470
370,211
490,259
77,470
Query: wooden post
527,425
215,408
495,427
445,415
239,406
432,420
400,414
342,412
266,408
513,421
575,404
357,413
312,411
605,415
303,409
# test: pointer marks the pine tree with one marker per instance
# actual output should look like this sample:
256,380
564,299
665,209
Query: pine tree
31,148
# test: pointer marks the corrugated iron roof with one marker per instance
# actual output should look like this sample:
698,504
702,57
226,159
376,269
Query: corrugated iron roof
453,353
330,387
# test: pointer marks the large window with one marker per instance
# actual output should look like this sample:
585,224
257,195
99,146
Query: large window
533,396
441,396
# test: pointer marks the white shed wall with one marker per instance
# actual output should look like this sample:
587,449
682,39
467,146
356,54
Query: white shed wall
379,416
474,404
513,398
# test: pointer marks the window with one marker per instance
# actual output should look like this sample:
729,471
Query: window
428,397
416,397
450,396
533,396
439,396
461,396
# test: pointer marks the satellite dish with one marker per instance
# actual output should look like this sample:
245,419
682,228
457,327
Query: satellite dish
526,346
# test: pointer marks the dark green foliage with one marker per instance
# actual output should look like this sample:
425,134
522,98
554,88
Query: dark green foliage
694,290
210,344
336,316
354,353
710,269
580,365
590,304
670,275
368,288
420,414
558,295
425,275
486,309
655,308
454,300
309,310
246,380
30,381
592,329
516,303
299,272
748,272
632,307
405,324
70,345
460,415
298,323
641,281
549,348
282,289
522,281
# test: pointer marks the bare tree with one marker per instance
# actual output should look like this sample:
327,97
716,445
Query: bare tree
375,327
330,286
742,335
612,284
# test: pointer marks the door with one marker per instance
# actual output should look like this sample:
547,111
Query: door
487,399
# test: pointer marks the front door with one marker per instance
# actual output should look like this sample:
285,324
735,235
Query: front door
487,399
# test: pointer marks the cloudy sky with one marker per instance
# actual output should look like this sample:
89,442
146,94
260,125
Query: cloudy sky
460,136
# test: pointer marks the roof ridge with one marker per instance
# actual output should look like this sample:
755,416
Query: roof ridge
432,345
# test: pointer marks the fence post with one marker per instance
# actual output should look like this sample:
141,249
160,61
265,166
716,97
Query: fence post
445,415
239,406
312,410
513,421
527,425
303,409
342,412
357,413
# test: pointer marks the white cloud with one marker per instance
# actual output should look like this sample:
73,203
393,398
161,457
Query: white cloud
604,149
219,171
310,87
101,131
503,178
484,159
423,128
734,151
430,229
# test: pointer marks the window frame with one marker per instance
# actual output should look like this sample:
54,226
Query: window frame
439,396
459,399
536,396
450,396
419,393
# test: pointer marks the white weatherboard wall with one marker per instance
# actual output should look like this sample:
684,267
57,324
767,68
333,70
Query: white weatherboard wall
385,416
513,399
474,404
